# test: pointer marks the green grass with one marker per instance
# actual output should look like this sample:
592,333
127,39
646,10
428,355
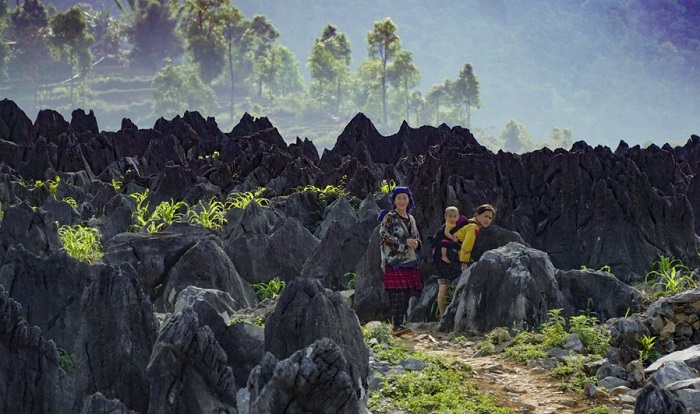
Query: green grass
443,386
269,290
242,199
209,214
532,345
669,276
81,242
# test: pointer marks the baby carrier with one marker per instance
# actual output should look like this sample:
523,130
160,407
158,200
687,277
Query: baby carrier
439,241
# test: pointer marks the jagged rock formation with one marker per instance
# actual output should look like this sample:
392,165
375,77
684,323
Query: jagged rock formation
566,209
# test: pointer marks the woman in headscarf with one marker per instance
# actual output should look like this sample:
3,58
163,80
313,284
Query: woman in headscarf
398,240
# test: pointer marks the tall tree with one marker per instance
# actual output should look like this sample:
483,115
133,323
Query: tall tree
438,93
418,106
329,63
4,48
263,35
288,78
404,75
515,137
384,44
68,37
151,30
203,32
177,89
28,24
238,42
466,91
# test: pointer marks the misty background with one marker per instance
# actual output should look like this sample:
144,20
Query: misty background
604,71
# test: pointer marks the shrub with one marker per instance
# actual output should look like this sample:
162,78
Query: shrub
647,350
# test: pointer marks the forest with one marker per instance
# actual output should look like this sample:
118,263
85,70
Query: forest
521,75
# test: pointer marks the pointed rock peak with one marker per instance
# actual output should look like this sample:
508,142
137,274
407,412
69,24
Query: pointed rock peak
127,124
82,122
15,126
249,125
581,146
362,155
49,124
622,148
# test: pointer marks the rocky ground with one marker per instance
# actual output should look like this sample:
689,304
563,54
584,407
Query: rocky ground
522,388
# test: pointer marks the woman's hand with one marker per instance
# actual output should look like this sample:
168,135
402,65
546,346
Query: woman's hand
412,243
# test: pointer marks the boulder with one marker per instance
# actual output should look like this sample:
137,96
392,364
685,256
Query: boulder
206,265
598,293
511,285
655,400
262,251
243,343
316,379
305,313
188,371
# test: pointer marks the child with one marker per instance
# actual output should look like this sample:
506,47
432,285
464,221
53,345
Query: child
447,263
448,272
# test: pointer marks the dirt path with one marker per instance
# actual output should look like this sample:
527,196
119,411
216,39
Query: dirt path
517,386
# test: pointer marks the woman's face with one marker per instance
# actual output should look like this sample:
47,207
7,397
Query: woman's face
484,219
401,201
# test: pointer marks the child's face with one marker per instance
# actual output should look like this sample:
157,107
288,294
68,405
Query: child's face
452,217
484,219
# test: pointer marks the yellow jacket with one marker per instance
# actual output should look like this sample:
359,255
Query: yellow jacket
467,235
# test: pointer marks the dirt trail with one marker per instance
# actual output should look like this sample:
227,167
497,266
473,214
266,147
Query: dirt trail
517,386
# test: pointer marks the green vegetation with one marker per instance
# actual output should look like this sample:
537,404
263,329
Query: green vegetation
572,374
81,242
601,409
532,345
443,385
66,361
327,194
209,214
386,186
116,184
241,200
2,212
169,212
669,276
352,283
71,201
647,350
269,290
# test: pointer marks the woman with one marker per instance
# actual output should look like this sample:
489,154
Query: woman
399,239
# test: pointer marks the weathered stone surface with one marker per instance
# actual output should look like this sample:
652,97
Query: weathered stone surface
49,290
528,289
599,293
151,255
99,404
206,265
654,400
316,379
32,229
305,313
117,332
188,371
30,378
266,246
243,343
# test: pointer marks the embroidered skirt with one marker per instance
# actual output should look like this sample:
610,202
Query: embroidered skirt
402,278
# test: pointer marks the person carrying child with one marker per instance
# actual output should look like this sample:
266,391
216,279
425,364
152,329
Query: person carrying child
457,229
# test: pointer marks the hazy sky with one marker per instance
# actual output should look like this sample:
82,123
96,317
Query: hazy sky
539,62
